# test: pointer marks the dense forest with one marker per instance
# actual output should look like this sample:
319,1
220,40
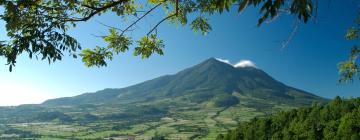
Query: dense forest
339,119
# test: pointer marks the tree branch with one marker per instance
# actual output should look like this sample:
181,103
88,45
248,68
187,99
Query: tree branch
177,7
109,26
161,21
96,11
148,12
291,36
166,18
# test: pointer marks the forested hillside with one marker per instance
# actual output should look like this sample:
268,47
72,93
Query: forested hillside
339,119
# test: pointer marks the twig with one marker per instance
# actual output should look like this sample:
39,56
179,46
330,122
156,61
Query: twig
291,36
166,18
96,11
161,21
148,12
109,26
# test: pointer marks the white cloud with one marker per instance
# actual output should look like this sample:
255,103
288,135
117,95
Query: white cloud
245,63
223,60
240,64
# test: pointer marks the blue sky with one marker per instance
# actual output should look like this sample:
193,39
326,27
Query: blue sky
309,62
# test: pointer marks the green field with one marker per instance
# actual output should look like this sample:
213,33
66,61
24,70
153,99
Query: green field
186,120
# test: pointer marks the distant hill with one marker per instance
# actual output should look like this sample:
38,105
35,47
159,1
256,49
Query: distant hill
199,102
202,82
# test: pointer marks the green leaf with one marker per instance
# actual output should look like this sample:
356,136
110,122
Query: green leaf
352,34
242,5
118,43
349,69
201,24
149,45
96,57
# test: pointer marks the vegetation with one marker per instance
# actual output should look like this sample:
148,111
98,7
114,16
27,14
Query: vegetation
225,100
350,69
40,28
198,103
209,80
336,120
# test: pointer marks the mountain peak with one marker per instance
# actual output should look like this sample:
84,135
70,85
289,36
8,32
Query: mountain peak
202,82
240,64
213,63
216,60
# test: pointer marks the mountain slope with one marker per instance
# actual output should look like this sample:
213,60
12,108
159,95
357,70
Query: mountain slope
197,103
201,82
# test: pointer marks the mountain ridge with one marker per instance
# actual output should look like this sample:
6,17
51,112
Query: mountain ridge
199,102
209,76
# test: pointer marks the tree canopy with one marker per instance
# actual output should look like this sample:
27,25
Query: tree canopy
40,28
337,120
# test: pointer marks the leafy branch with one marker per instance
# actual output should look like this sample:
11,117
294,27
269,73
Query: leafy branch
40,27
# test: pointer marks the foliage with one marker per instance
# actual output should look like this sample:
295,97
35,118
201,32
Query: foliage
158,137
349,69
196,103
40,28
148,45
226,100
338,119
21,133
201,23
96,57
54,115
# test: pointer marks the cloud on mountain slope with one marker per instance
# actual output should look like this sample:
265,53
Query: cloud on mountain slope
240,64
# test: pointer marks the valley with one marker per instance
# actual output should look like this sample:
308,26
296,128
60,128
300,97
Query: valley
200,102
202,121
